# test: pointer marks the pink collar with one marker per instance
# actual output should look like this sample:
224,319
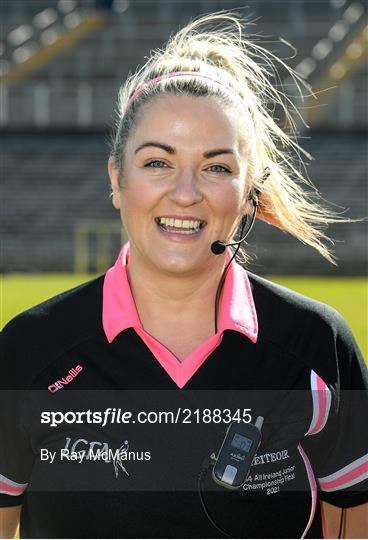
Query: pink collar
119,311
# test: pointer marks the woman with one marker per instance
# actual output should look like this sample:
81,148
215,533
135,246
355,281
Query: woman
196,153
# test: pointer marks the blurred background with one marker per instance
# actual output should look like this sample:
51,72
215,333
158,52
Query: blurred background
61,65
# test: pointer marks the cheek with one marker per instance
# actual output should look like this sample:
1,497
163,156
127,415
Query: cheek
132,194
232,198
137,199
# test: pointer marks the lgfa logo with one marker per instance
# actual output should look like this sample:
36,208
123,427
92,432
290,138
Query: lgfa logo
72,373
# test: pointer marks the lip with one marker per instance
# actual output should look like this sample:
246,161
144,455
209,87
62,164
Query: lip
181,216
179,237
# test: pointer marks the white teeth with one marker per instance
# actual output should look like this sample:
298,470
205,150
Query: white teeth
180,224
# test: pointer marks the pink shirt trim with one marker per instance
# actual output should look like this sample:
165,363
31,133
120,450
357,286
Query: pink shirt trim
351,474
119,313
313,488
9,487
321,397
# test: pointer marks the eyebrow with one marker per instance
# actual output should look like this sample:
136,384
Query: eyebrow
171,150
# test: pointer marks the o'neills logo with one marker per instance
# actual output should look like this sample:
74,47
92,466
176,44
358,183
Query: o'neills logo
72,373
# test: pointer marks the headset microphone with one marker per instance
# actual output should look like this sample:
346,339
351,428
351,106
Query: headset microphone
219,247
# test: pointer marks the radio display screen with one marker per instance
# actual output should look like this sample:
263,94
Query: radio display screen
241,443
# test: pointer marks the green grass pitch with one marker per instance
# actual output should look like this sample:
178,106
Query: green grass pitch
348,295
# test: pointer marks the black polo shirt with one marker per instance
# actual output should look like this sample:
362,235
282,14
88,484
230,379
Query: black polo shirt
302,371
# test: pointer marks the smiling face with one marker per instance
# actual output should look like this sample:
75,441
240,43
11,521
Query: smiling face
183,183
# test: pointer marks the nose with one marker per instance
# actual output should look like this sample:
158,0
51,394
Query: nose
186,191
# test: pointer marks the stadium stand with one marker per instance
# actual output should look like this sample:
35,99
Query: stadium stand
54,181
54,125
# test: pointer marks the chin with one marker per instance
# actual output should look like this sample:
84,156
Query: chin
177,263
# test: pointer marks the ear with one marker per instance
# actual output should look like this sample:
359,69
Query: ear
115,186
247,204
249,208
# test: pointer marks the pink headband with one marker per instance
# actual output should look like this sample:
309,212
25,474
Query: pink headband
178,74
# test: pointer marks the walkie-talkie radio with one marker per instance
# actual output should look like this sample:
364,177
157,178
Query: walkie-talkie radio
236,453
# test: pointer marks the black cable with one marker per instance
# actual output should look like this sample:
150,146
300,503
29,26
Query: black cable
342,524
222,280
220,285
206,464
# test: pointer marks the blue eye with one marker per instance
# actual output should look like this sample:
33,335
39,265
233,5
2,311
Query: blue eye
219,169
156,164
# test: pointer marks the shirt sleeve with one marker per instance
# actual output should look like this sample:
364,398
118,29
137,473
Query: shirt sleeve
337,439
16,455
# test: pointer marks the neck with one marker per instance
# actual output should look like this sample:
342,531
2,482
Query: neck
174,296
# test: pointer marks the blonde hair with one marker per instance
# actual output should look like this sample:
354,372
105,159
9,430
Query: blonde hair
288,200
